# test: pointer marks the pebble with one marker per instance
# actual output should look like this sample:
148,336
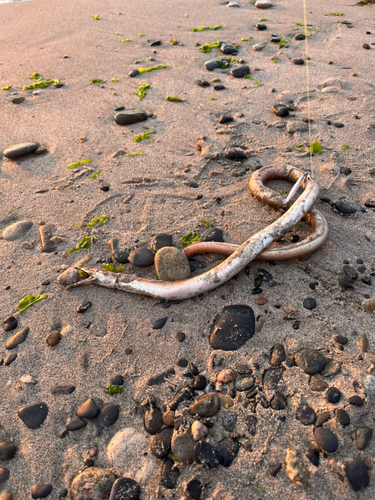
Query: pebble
141,257
33,415
228,449
369,306
366,46
206,454
306,415
263,4
20,150
278,402
118,255
244,383
331,368
168,418
199,383
198,430
299,62
272,377
322,418
277,355
300,36
333,395
155,43
57,390
212,64
363,436
171,264
225,119
133,73
84,307
46,234
326,440
17,339
355,401
161,377
9,359
350,271
92,484
160,240
313,456
75,424
203,83
232,4
18,100
309,304
9,323
182,447
128,454
260,26
117,380
89,409
232,328
17,230
280,110
226,376
7,450
159,323
345,207
130,116
169,475
213,234
108,416
363,343
206,405
261,301
229,422
295,469
228,48
357,474
41,490
240,71
153,420
342,417
104,186
180,336
160,444
235,155
346,281
184,394
310,360
259,46
193,489
340,339
4,475
53,338
125,489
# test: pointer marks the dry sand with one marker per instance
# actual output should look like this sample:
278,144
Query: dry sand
148,195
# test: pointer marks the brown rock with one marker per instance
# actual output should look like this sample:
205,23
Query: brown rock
369,306
53,338
350,271
226,376
317,384
369,462
168,418
205,406
261,301
363,343
290,310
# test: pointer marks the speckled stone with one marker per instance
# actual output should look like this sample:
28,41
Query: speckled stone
100,481
310,360
171,264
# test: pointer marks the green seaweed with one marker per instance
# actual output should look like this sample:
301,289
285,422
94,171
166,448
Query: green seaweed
141,91
144,70
85,243
76,164
263,19
95,80
98,221
96,17
126,40
174,99
203,28
316,148
131,155
142,137
95,175
140,35
189,239
260,488
29,300
114,389
345,148
114,80
207,47
334,14
40,83
246,39
7,87
300,148
206,222
112,268
283,41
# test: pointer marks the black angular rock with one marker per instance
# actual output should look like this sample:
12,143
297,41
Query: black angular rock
278,402
232,328
155,43
306,415
299,62
326,440
75,424
213,234
300,36
4,475
260,26
130,116
219,87
84,307
357,474
9,323
153,420
203,83
125,489
184,394
117,380
207,455
280,110
235,155
121,256
240,71
346,281
313,456
169,475
160,444
342,417
160,240
228,449
345,207
33,415
89,409
229,422
41,490
310,360
141,257
333,395
7,450
194,489
159,323
225,119
228,48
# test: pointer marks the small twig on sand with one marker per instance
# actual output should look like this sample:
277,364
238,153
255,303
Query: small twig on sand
113,348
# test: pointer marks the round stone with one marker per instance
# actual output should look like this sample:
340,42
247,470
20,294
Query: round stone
198,430
108,416
340,339
53,338
4,475
130,116
7,495
20,150
207,455
125,489
169,475
180,336
342,417
298,62
183,447
232,328
333,395
355,401
117,380
326,440
272,377
306,415
41,490
346,281
313,456
363,436
258,46
310,360
75,424
159,323
206,405
33,415
17,230
229,422
168,418
277,355
9,323
153,420
212,64
346,206
240,71
199,383
88,410
322,418
244,383
263,4
278,402
260,26
309,304
280,110
160,444
7,450
194,489
228,48
300,36
17,339
226,376
92,484
357,474
228,449
160,240
171,264
141,257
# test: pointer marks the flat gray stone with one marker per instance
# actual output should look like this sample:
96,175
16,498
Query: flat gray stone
183,447
130,116
263,4
259,46
17,339
212,64
16,230
20,150
171,264
92,484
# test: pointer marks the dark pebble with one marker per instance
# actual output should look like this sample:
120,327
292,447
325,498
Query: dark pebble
322,418
213,234
228,449
161,377
153,420
159,323
57,390
117,380
41,490
20,150
280,110
333,395
313,456
160,444
277,355
33,415
141,257
260,26
184,394
306,415
200,383
278,402
7,450
121,256
108,416
240,71
133,73
220,87
182,362
345,207
225,119
362,437
180,336
104,186
75,424
89,409
309,304
272,377
207,455
310,360
9,359
160,240
355,400
132,115
357,474
9,323
299,62
366,280
203,83
342,417
228,48
275,39
326,440
229,422
193,369
232,328
346,281
300,36
340,339
194,489
273,471
235,155
169,475
84,307
155,43
366,46
4,475
64,493
125,488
